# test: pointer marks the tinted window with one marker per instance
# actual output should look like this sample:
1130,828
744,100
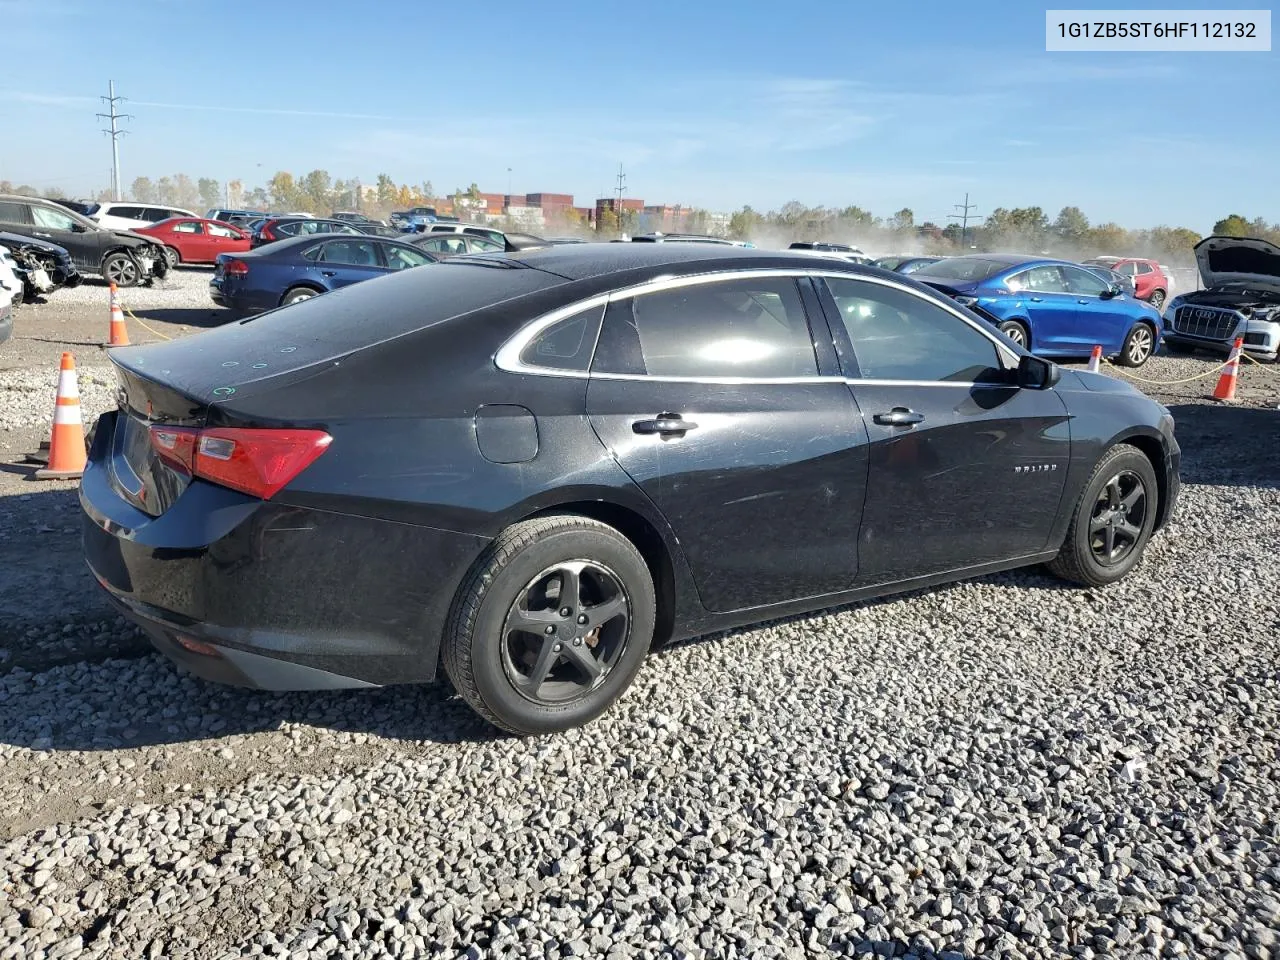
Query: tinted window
961,268
898,335
1128,269
187,227
291,229
729,328
52,219
11,212
356,253
156,214
1145,268
401,258
218,230
128,213
1083,283
566,344
481,245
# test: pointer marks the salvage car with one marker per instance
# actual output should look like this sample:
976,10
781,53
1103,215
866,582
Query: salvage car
41,266
124,258
532,467
196,240
1051,307
1241,298
10,294
299,268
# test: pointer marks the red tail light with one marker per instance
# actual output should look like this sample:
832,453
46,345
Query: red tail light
235,268
259,462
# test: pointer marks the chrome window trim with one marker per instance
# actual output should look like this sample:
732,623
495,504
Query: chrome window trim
507,357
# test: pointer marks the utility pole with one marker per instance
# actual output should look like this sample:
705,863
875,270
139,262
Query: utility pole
617,208
115,133
964,219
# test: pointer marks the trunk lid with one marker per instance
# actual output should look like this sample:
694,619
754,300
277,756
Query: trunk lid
1244,261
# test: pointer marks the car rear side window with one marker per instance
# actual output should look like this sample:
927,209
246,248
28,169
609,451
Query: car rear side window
11,212
356,253
897,335
188,227
1144,268
754,328
567,344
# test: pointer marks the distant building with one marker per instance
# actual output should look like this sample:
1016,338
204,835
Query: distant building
616,206
550,204
664,218
718,224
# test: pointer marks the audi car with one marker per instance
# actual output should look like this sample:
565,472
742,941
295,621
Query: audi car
1241,299
530,467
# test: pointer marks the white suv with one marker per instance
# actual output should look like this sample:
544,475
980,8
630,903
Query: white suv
124,215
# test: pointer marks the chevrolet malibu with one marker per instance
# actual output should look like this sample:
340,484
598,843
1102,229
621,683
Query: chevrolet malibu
531,467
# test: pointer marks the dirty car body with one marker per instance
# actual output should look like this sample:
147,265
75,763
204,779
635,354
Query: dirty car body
300,499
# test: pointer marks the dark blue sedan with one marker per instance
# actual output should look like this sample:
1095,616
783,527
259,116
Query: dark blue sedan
303,267
1050,307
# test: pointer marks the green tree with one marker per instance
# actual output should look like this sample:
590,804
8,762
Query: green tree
164,191
855,216
386,190
210,192
185,194
257,199
1232,225
315,188
284,191
902,221
744,223
1071,225
1110,238
55,193
143,190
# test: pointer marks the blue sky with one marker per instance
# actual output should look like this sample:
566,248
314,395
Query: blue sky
705,103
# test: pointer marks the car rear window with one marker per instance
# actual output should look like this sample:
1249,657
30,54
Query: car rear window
962,268
331,326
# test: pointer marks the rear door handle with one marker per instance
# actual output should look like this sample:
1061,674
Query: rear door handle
37,233
666,424
1082,301
1035,299
328,273
899,417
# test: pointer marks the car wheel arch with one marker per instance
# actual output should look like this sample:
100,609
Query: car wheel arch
645,536
1150,444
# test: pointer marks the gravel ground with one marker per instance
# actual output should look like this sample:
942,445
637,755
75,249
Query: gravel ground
1002,768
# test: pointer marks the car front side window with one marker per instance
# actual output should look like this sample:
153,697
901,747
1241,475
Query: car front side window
741,328
1083,283
898,335
186,228
52,219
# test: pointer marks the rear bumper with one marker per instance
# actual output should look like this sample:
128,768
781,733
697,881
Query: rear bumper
286,597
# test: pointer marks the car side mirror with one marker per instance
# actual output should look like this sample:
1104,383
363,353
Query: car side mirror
78,227
1035,373
1111,291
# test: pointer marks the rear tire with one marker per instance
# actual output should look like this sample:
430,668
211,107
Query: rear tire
172,255
297,294
1157,299
1139,345
1017,331
567,668
1123,478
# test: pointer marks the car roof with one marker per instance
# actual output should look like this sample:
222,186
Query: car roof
579,261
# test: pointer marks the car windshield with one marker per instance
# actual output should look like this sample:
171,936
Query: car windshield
962,268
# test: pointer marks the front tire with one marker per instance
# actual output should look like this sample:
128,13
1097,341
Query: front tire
122,270
1138,346
1112,521
1017,331
513,652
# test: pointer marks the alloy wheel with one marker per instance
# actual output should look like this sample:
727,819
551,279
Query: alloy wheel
1015,333
565,631
1140,344
1118,517
122,271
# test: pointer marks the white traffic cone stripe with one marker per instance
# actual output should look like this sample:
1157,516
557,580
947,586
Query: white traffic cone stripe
67,413
68,386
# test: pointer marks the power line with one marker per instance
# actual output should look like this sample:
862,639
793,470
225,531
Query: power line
963,218
115,133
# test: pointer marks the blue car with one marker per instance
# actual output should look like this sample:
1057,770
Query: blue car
1051,307
299,268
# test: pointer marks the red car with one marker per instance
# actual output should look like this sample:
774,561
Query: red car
1149,281
192,240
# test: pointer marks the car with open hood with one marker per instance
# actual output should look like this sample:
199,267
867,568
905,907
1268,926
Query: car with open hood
1241,298
125,258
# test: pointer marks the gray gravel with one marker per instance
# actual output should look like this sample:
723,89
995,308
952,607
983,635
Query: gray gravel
27,395
1003,768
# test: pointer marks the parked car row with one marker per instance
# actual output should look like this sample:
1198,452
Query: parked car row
124,257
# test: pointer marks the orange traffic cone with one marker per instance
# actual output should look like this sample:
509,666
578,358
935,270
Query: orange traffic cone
119,332
67,454
1226,388
1095,359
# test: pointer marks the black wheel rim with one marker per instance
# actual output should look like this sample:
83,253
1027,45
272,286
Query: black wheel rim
1119,515
122,271
1014,333
1140,342
565,632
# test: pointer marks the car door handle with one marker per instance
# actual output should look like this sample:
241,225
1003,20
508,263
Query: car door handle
1035,299
666,424
1082,300
899,417
37,233
328,273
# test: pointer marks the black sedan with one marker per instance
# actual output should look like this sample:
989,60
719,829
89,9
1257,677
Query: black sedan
533,466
